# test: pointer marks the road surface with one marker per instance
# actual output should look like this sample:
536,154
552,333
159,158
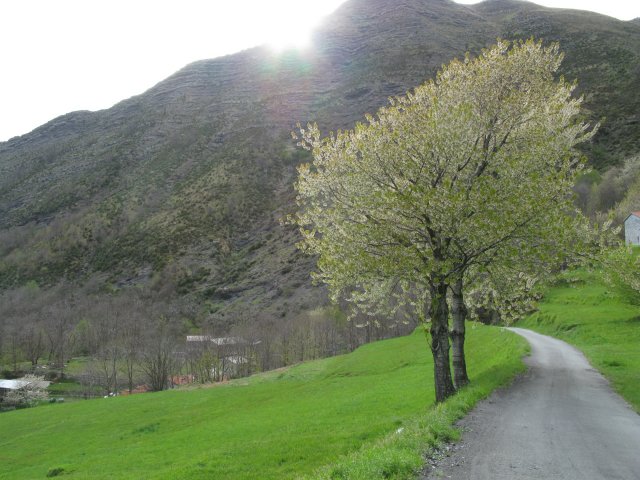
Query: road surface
560,420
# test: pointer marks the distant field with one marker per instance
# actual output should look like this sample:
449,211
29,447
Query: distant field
277,425
602,322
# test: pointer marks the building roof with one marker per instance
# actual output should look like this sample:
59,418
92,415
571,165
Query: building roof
198,338
632,214
12,384
18,384
216,340
220,340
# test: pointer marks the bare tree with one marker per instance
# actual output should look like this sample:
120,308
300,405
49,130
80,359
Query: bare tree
32,340
59,331
158,359
107,331
131,338
13,343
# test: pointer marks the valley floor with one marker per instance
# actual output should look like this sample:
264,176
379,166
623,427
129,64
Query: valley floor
277,425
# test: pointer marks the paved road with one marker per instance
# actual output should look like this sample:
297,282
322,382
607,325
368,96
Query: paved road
560,420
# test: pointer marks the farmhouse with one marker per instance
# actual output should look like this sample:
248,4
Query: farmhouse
632,229
7,385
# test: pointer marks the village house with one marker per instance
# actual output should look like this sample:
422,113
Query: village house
8,385
632,229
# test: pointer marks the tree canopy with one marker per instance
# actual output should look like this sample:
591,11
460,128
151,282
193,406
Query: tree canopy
470,172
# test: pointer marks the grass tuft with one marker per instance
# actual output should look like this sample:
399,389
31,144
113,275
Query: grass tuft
55,472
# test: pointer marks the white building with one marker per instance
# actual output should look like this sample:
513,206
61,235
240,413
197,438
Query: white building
632,229
217,340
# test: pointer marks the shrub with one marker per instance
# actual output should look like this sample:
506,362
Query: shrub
55,471
33,392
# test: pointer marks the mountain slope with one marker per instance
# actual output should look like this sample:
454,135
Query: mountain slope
184,185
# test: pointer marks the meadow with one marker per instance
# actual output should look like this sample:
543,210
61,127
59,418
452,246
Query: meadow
367,414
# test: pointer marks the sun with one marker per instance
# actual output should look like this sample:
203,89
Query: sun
289,34
283,24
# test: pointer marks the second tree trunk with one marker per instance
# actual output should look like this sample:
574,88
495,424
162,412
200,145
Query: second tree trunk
459,315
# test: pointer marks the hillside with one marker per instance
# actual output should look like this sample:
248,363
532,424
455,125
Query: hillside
278,425
182,188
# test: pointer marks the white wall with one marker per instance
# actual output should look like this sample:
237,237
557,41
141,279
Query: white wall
632,230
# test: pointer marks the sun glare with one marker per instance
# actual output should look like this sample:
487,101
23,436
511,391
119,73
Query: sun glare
43,35
287,41
292,28
290,34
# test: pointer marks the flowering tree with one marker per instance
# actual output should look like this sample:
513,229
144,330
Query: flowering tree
32,392
621,269
470,171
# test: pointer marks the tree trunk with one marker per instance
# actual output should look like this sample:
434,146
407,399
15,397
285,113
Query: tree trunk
439,313
459,315
130,372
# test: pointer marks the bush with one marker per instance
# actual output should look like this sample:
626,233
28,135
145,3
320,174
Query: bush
55,471
51,376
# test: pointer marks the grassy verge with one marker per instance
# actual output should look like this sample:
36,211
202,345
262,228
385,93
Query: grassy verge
601,321
401,453
342,411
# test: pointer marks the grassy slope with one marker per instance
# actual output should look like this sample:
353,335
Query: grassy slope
275,425
600,321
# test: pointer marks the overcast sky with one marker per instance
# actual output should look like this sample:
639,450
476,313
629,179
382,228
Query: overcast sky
65,55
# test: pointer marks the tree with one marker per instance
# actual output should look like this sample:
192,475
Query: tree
32,340
32,392
107,329
131,337
59,329
621,269
470,170
12,335
158,360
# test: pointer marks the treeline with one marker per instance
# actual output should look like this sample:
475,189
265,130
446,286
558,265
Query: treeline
613,194
137,339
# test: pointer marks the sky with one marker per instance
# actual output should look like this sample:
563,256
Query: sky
65,55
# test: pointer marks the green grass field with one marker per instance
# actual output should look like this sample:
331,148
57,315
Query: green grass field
341,411
603,322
